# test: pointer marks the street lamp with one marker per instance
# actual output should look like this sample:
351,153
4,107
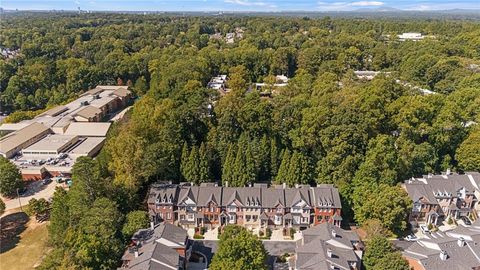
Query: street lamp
19,201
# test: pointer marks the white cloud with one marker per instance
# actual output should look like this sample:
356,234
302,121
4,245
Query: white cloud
248,3
341,6
366,3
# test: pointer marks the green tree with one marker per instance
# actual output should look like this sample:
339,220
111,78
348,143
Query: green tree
141,86
239,249
203,164
392,261
228,166
389,204
468,154
59,216
2,207
376,248
283,170
135,221
96,243
37,207
10,178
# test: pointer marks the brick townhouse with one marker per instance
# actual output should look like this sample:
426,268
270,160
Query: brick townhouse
448,195
254,207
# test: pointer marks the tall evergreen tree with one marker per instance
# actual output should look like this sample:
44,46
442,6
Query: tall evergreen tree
203,164
283,170
184,160
274,158
192,171
228,166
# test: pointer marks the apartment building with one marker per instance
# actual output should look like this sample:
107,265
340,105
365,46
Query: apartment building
253,207
443,196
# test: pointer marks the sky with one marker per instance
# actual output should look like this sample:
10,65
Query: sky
236,5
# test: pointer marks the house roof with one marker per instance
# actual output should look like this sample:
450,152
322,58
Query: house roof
271,197
163,192
326,195
89,112
188,192
171,233
207,194
293,195
247,196
460,255
320,249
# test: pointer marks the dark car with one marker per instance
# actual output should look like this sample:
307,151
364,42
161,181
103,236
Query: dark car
46,181
466,221
22,191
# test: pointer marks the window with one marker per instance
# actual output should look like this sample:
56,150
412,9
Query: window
327,218
169,215
190,217
182,217
161,215
319,218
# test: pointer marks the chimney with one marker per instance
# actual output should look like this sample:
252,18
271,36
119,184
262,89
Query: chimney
443,255
296,185
249,184
329,253
334,233
461,242
430,175
284,185
226,183
136,253
152,225
448,172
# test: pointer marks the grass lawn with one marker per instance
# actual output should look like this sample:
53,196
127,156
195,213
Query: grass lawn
29,251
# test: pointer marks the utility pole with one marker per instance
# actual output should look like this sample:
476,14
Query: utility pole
19,201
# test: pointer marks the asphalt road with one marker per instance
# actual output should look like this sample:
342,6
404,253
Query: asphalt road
34,190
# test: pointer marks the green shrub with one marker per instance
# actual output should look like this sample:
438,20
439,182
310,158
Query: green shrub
198,236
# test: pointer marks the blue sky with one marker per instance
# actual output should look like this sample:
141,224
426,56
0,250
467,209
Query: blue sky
236,5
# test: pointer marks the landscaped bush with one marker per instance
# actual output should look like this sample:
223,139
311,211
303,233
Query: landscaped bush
198,236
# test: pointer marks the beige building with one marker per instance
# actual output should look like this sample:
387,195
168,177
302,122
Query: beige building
50,146
89,114
18,140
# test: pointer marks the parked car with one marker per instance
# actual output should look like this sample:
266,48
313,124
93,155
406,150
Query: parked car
466,221
22,190
411,238
46,181
424,229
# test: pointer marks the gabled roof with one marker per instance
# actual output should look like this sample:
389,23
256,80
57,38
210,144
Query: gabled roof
163,191
294,195
207,194
321,249
325,195
171,233
188,193
246,196
272,197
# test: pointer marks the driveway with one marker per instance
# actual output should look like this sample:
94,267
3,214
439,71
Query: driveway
34,190
274,248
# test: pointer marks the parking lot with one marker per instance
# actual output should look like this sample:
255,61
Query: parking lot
34,190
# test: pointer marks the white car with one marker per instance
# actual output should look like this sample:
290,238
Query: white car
411,238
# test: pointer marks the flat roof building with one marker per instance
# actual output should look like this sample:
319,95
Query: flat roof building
88,114
86,129
51,145
16,141
87,147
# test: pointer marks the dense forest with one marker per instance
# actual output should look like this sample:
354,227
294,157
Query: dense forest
326,126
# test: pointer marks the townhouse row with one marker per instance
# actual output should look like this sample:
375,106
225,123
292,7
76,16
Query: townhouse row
254,207
436,198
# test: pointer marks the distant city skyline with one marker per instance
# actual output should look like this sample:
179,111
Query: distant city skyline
236,5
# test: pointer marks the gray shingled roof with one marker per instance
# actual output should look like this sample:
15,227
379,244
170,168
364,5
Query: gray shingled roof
466,256
188,192
325,194
293,195
209,193
163,191
171,233
271,197
318,240
243,194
